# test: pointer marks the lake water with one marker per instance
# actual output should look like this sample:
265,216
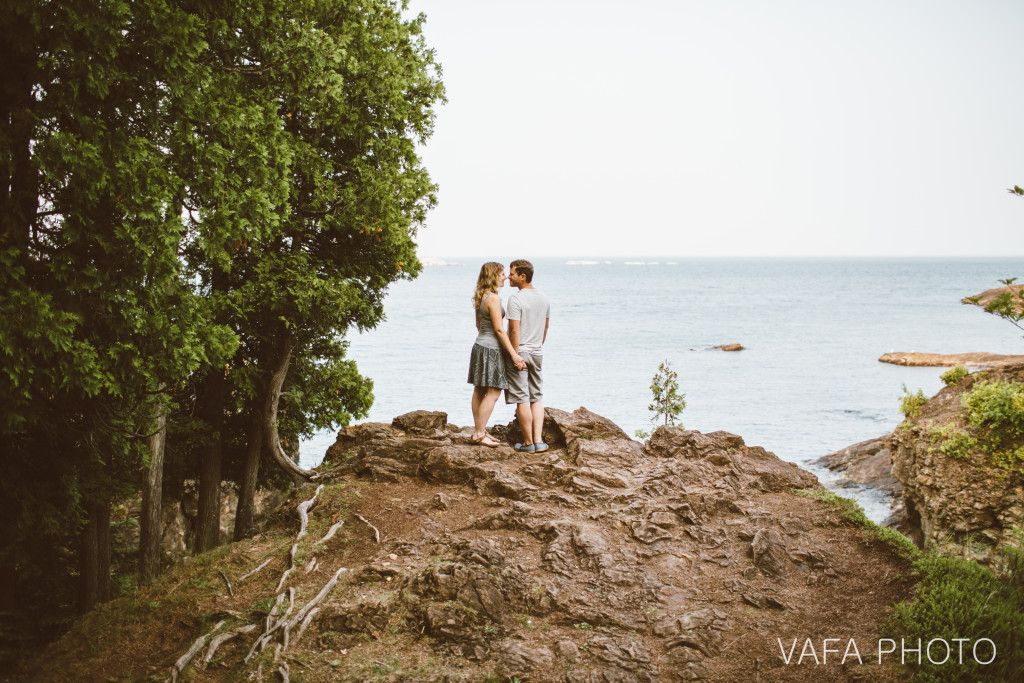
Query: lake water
808,382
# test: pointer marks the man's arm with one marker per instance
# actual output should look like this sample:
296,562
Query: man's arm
546,322
513,333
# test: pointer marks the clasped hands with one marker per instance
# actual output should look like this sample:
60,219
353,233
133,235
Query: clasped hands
518,361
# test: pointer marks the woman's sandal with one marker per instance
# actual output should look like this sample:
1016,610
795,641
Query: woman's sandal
483,441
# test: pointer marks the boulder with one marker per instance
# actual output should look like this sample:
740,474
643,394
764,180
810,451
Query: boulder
867,463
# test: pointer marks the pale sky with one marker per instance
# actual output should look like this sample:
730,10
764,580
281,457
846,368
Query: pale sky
727,128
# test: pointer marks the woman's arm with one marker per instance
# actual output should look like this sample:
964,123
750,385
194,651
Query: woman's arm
494,309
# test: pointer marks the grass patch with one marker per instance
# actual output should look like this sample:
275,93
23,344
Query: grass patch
958,598
854,513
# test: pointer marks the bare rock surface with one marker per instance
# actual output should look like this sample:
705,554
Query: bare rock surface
963,505
687,557
939,360
640,562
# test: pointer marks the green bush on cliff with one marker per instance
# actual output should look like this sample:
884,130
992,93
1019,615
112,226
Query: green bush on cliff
996,410
953,376
958,598
911,404
952,441
998,406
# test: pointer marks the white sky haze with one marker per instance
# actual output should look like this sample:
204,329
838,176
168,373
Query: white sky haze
727,128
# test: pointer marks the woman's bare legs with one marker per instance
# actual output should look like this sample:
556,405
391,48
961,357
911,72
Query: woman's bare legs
483,402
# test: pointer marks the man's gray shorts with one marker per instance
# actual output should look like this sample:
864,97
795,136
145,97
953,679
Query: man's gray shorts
524,386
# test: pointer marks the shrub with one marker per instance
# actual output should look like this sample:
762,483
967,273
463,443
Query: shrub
953,376
958,598
998,406
910,404
953,441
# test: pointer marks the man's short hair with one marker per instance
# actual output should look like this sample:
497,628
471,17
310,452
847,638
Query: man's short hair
524,268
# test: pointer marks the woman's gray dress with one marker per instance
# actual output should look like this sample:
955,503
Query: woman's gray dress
487,361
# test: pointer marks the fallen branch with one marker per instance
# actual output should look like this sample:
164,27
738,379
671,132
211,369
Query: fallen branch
255,570
376,531
223,638
231,591
187,658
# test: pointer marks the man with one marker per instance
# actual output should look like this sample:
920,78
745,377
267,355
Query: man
528,315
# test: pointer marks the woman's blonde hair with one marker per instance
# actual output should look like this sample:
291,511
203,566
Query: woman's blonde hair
489,281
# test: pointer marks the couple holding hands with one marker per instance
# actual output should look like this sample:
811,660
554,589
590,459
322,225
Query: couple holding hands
509,360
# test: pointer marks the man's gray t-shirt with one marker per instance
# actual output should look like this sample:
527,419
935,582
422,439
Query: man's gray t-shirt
532,309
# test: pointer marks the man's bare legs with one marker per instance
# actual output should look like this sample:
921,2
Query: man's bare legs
482,403
538,421
525,416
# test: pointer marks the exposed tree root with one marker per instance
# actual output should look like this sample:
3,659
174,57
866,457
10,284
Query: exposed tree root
223,638
304,507
187,658
376,531
330,533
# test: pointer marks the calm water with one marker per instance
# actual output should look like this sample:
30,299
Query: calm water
808,383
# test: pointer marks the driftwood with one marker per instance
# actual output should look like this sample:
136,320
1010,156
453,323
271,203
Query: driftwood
187,658
376,531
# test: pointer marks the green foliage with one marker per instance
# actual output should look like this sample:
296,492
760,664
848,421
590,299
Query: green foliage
849,510
953,376
997,406
959,598
187,187
911,404
667,402
1008,305
952,441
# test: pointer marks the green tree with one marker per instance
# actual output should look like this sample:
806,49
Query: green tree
667,403
199,200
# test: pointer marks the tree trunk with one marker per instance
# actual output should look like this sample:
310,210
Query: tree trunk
94,557
150,532
245,513
273,395
208,514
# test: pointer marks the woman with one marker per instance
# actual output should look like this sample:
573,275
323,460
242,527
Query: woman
486,363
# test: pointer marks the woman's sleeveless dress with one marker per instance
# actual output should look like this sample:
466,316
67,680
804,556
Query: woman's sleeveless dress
487,361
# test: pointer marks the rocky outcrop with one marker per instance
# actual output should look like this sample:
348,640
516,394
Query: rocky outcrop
941,360
990,295
966,504
867,463
644,561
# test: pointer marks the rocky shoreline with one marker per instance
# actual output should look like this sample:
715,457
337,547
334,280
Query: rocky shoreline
938,360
